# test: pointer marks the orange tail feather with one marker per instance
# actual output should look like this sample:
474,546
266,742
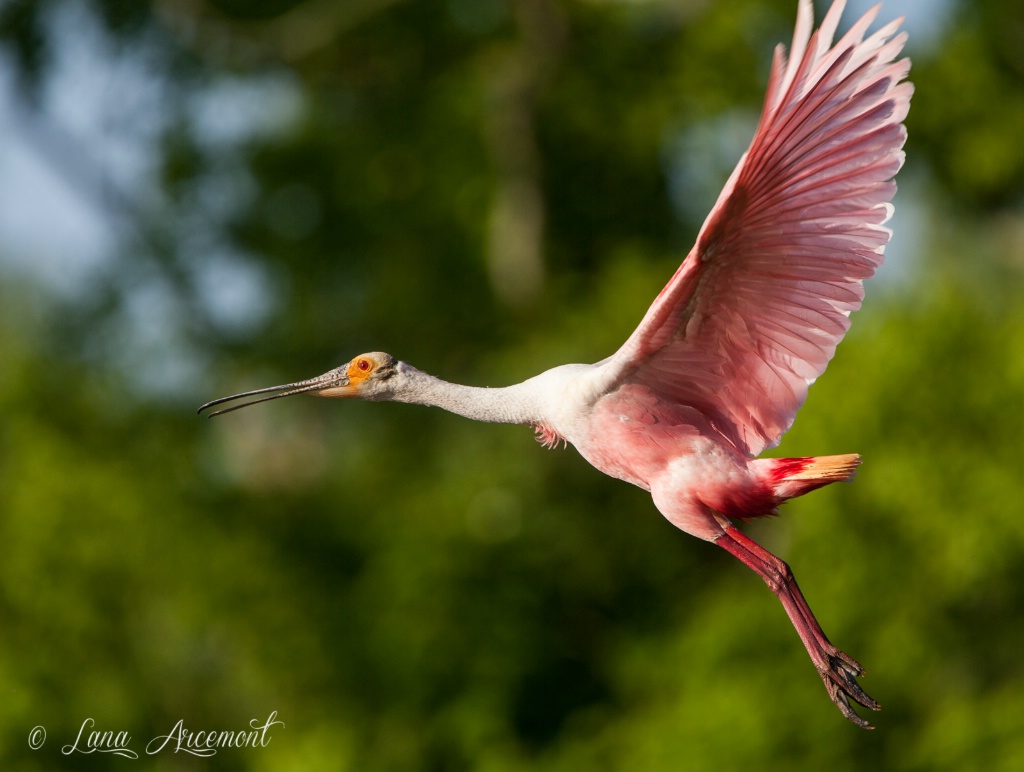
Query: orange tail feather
791,477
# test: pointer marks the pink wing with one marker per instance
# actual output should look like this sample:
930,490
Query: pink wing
754,314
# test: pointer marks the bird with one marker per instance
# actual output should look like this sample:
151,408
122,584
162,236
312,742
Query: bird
723,358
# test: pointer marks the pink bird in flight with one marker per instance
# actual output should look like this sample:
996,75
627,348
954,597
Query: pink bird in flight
722,361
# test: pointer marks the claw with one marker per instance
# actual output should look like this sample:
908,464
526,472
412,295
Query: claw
840,676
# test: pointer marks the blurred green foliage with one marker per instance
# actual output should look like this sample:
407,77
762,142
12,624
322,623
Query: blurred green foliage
411,591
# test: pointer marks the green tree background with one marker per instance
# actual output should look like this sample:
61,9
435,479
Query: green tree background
485,189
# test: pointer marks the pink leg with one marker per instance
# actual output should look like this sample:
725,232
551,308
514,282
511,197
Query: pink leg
837,670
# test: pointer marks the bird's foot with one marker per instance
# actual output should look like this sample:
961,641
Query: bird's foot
840,672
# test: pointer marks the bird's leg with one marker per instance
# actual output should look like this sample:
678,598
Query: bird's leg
837,670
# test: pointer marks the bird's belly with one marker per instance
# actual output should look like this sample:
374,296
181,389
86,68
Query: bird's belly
674,449
631,467
636,447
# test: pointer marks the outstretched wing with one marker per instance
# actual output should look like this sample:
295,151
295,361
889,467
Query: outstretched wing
755,312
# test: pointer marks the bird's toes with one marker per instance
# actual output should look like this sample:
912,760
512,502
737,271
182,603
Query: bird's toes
843,703
840,677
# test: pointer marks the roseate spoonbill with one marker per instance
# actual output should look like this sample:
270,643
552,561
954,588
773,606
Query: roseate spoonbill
722,361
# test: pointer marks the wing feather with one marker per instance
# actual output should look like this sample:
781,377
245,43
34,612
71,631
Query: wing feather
755,312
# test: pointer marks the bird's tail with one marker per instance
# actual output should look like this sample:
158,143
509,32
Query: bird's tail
791,477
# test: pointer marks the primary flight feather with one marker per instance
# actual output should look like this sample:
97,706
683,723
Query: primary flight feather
720,364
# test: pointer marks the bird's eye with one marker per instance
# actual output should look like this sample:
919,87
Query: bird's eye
363,364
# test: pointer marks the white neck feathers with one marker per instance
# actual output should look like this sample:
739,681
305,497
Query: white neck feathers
508,405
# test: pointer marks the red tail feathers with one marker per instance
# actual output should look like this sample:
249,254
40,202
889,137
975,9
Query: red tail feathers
791,477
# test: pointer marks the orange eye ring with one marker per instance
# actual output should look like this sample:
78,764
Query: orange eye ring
361,368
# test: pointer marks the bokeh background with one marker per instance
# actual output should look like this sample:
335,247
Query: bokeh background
199,197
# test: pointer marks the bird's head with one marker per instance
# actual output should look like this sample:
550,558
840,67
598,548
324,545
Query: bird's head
366,376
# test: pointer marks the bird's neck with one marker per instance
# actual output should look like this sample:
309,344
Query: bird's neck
506,405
